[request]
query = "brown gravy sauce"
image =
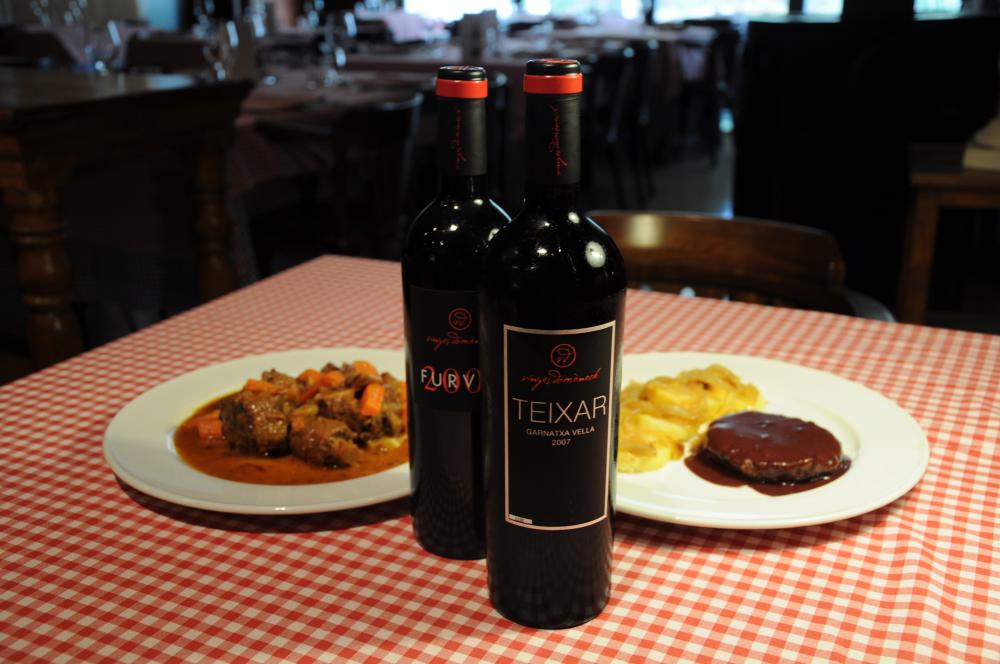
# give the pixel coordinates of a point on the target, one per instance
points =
(216, 459)
(707, 469)
(772, 444)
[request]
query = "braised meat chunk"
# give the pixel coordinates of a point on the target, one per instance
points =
(340, 404)
(255, 419)
(255, 423)
(283, 382)
(347, 404)
(323, 441)
(326, 418)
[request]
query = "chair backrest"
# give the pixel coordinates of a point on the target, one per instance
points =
(644, 81)
(373, 148)
(726, 45)
(750, 260)
(611, 73)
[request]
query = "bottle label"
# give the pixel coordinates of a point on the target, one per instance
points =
(558, 425)
(443, 344)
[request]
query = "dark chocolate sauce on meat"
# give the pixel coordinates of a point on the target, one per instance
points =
(785, 455)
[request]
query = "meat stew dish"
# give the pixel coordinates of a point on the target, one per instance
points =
(336, 423)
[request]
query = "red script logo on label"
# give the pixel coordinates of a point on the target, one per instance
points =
(563, 355)
(460, 319)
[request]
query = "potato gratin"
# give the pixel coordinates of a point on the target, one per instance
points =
(664, 418)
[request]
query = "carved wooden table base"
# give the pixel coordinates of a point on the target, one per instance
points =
(54, 123)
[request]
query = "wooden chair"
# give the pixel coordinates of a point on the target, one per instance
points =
(726, 51)
(370, 148)
(743, 259)
(703, 96)
(603, 116)
(639, 116)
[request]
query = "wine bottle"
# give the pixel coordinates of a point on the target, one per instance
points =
(442, 261)
(551, 313)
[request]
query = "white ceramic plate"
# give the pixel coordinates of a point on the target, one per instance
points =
(888, 450)
(139, 445)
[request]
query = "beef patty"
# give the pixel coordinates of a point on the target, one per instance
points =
(772, 448)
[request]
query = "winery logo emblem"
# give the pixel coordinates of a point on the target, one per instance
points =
(563, 355)
(460, 319)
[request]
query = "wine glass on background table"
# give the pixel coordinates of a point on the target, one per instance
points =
(40, 10)
(203, 12)
(76, 12)
(312, 14)
(103, 44)
(331, 56)
(272, 64)
(324, 66)
(344, 28)
(221, 40)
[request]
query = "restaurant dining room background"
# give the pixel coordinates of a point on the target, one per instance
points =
(155, 154)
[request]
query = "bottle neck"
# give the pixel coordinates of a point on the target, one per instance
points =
(463, 186)
(553, 198)
(552, 144)
(461, 145)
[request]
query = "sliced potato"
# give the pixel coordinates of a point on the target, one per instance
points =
(667, 417)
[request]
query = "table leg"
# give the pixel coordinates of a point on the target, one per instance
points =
(213, 225)
(42, 270)
(918, 257)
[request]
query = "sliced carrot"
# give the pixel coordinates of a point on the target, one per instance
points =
(310, 376)
(253, 385)
(371, 400)
(209, 428)
(333, 378)
(366, 368)
(312, 379)
(309, 392)
(210, 415)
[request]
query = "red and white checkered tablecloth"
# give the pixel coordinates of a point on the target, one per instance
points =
(92, 570)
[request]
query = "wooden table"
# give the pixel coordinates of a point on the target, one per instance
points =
(937, 181)
(92, 570)
(52, 124)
